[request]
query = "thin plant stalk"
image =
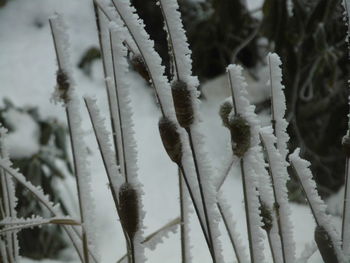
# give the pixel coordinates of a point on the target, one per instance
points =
(69, 112)
(195, 205)
(42, 198)
(82, 216)
(345, 203)
(120, 126)
(247, 211)
(99, 25)
(109, 175)
(200, 185)
(276, 204)
(233, 243)
(182, 218)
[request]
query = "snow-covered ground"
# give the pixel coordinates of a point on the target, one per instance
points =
(27, 77)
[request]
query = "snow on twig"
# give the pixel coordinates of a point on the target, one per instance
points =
(65, 93)
(317, 205)
(246, 147)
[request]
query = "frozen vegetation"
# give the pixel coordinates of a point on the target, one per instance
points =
(169, 181)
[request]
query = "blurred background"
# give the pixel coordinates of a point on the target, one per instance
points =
(308, 35)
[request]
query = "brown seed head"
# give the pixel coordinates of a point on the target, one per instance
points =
(225, 110)
(171, 139)
(139, 66)
(240, 135)
(183, 103)
(129, 210)
(266, 216)
(63, 85)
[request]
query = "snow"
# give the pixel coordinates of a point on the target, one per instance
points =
(28, 74)
(25, 131)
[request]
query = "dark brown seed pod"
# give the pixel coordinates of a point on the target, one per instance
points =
(240, 135)
(129, 210)
(183, 103)
(266, 216)
(225, 110)
(325, 245)
(171, 139)
(346, 145)
(63, 85)
(139, 66)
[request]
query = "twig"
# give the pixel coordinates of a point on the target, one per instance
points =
(182, 218)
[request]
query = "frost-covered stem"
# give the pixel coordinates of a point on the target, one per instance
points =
(36, 223)
(170, 41)
(39, 195)
(105, 154)
(278, 104)
(82, 214)
(195, 205)
(6, 204)
(225, 174)
(98, 14)
(113, 187)
(273, 117)
(120, 124)
(140, 50)
(132, 251)
(230, 235)
(182, 218)
(65, 93)
(326, 237)
(203, 198)
(234, 103)
(276, 204)
(345, 234)
(9, 199)
(346, 210)
(3, 251)
(99, 32)
(268, 233)
(251, 248)
(305, 193)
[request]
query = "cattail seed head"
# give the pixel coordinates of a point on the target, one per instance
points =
(183, 103)
(129, 209)
(325, 245)
(63, 85)
(266, 216)
(139, 66)
(346, 145)
(225, 110)
(171, 139)
(240, 135)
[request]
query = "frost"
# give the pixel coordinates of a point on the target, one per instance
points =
(124, 109)
(242, 107)
(157, 237)
(178, 42)
(151, 58)
(38, 193)
(279, 173)
(72, 106)
(278, 104)
(317, 205)
(102, 135)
